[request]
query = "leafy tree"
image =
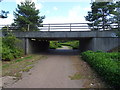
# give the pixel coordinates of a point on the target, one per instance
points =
(25, 14)
(100, 14)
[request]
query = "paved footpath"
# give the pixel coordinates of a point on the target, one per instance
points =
(54, 72)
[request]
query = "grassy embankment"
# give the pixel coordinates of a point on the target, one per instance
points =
(107, 65)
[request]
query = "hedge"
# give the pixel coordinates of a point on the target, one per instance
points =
(106, 64)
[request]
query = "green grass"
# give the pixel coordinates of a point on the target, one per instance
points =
(72, 44)
(14, 67)
(26, 69)
(76, 76)
(29, 57)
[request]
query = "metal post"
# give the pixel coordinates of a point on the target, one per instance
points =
(93, 26)
(70, 26)
(7, 27)
(49, 27)
(28, 27)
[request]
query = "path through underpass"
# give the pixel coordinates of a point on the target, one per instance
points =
(60, 71)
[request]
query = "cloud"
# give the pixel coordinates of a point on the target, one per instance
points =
(55, 8)
(47, 12)
(18, 1)
(74, 12)
(65, 0)
(87, 9)
(75, 15)
(38, 5)
(7, 21)
(49, 0)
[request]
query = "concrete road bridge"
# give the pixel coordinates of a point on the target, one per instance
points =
(101, 39)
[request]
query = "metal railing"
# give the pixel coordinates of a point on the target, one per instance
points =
(65, 27)
(60, 27)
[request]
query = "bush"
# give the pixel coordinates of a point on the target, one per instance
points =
(54, 45)
(9, 48)
(106, 64)
(73, 44)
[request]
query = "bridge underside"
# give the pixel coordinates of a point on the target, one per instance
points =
(36, 41)
(35, 45)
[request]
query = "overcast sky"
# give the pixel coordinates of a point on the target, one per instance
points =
(56, 11)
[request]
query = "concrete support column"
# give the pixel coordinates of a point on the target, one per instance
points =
(27, 46)
(35, 46)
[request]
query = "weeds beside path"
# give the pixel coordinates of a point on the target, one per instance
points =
(16, 67)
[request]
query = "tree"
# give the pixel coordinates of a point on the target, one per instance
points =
(100, 14)
(25, 14)
(116, 18)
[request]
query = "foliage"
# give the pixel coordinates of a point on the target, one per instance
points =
(9, 47)
(100, 14)
(54, 44)
(73, 44)
(4, 14)
(106, 64)
(116, 18)
(25, 14)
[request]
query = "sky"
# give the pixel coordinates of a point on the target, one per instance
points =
(55, 11)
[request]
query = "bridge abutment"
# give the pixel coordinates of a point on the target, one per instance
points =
(99, 44)
(106, 43)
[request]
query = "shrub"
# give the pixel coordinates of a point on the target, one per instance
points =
(54, 45)
(9, 47)
(106, 64)
(73, 44)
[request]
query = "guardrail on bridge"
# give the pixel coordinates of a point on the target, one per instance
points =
(60, 27)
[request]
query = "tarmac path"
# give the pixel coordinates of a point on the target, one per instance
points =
(56, 70)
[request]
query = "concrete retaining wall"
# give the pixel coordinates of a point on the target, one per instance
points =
(99, 44)
(105, 44)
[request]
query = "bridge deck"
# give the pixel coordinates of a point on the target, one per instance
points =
(65, 34)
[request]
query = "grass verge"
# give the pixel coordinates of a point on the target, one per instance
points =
(76, 76)
(23, 64)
